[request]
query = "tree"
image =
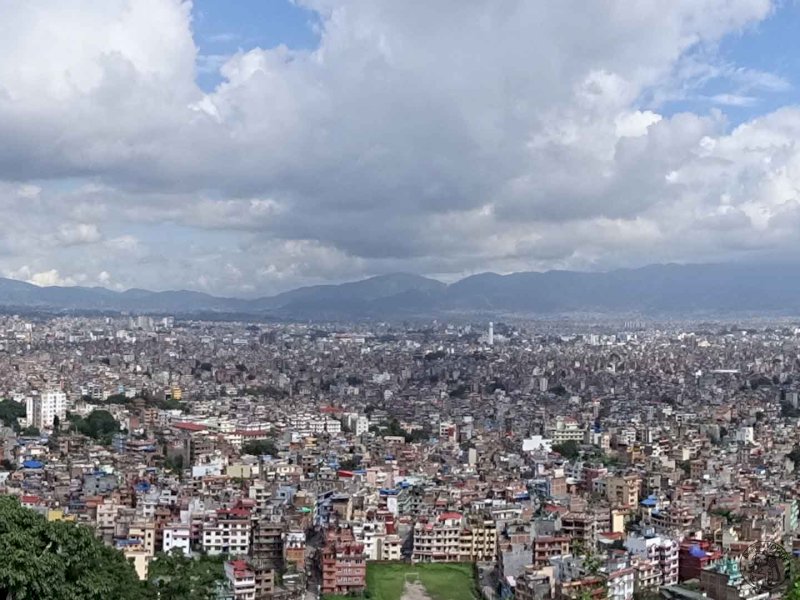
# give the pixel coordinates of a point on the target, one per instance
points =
(59, 561)
(789, 411)
(350, 464)
(11, 412)
(174, 463)
(118, 399)
(260, 447)
(175, 577)
(100, 425)
(793, 593)
(568, 449)
(31, 431)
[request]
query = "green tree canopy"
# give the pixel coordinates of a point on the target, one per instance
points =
(568, 449)
(100, 424)
(10, 412)
(260, 447)
(31, 431)
(176, 577)
(794, 455)
(44, 560)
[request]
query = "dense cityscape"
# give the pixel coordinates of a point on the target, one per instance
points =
(545, 460)
(399, 300)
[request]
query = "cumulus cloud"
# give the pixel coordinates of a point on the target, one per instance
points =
(71, 234)
(42, 278)
(437, 137)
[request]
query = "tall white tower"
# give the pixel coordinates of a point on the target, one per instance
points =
(491, 333)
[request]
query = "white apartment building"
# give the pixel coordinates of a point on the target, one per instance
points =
(621, 584)
(358, 424)
(378, 543)
(43, 408)
(226, 532)
(661, 553)
(177, 535)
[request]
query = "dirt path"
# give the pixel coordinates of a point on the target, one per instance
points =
(414, 590)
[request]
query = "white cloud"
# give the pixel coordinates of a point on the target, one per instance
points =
(29, 192)
(71, 234)
(42, 278)
(438, 137)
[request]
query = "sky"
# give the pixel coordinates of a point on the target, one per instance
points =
(245, 148)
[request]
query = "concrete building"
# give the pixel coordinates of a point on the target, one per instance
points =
(657, 560)
(177, 535)
(241, 579)
(344, 568)
(43, 408)
(226, 532)
(439, 539)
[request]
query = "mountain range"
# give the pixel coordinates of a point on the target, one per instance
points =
(656, 290)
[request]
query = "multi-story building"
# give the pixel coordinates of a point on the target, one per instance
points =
(675, 519)
(242, 579)
(42, 409)
(144, 530)
(344, 568)
(656, 560)
(379, 542)
(693, 557)
(545, 547)
(723, 581)
(226, 531)
(267, 540)
(535, 584)
(177, 535)
(294, 549)
(623, 490)
(566, 430)
(582, 526)
(264, 572)
(478, 542)
(439, 539)
(621, 583)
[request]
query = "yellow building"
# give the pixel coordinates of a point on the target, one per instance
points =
(57, 514)
(623, 490)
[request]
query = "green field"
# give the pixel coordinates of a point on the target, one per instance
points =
(442, 581)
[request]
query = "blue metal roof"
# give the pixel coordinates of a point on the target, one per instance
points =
(697, 551)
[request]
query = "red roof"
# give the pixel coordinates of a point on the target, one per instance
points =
(189, 426)
(449, 515)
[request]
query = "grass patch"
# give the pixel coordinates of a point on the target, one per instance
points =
(442, 581)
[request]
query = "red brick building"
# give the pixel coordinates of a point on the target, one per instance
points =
(693, 557)
(344, 566)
